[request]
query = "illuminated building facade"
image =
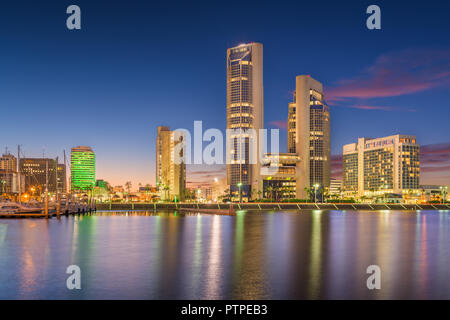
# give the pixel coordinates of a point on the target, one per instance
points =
(34, 170)
(82, 168)
(278, 174)
(383, 165)
(312, 135)
(170, 165)
(292, 127)
(8, 162)
(244, 112)
(335, 187)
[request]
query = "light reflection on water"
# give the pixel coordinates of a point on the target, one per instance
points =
(315, 254)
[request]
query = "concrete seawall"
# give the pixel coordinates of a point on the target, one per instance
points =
(269, 206)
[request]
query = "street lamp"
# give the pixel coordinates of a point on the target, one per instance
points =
(240, 192)
(316, 186)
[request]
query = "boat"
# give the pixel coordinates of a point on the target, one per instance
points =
(17, 208)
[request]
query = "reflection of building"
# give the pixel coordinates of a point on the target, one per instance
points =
(312, 137)
(34, 170)
(170, 165)
(278, 174)
(244, 115)
(381, 166)
(82, 168)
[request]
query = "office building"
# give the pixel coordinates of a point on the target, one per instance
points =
(312, 135)
(37, 171)
(245, 109)
(383, 165)
(82, 160)
(170, 165)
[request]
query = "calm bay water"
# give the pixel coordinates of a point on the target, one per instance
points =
(253, 255)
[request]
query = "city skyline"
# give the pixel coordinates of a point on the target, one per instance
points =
(387, 87)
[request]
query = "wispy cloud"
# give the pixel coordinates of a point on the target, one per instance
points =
(395, 74)
(203, 176)
(382, 108)
(282, 124)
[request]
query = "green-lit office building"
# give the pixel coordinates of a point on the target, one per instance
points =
(82, 168)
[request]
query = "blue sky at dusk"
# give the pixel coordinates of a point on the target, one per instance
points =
(135, 65)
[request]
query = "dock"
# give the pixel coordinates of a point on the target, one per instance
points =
(51, 214)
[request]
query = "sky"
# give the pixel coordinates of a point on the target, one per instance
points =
(135, 65)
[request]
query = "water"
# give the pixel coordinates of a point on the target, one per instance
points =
(270, 255)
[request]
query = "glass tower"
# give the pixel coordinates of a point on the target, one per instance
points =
(82, 168)
(244, 118)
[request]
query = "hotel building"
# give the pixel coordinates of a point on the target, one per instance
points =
(312, 135)
(170, 165)
(82, 168)
(244, 112)
(382, 165)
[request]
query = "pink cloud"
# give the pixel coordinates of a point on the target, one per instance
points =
(282, 124)
(383, 108)
(395, 74)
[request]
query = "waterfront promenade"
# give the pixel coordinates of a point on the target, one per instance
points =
(270, 206)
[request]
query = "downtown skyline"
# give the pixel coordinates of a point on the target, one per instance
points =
(376, 84)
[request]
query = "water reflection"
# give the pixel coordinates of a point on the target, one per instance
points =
(253, 255)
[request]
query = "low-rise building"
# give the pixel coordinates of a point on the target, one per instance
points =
(278, 173)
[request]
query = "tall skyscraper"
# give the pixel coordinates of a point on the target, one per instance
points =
(312, 139)
(82, 168)
(382, 165)
(245, 108)
(170, 172)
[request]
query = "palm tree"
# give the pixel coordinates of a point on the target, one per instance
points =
(166, 190)
(259, 194)
(269, 190)
(128, 186)
(309, 192)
